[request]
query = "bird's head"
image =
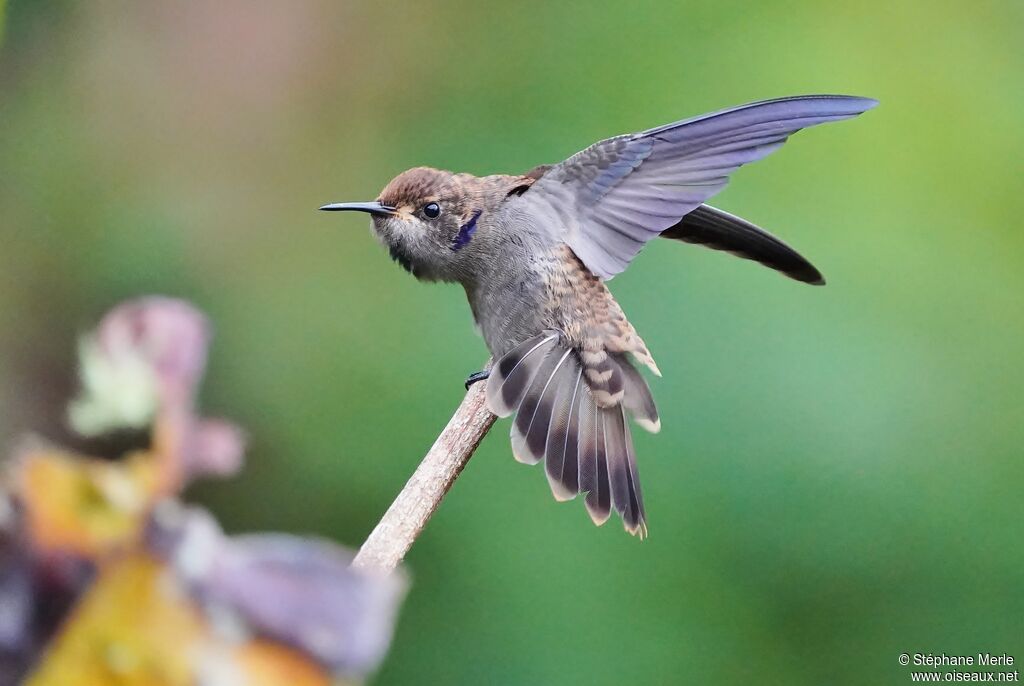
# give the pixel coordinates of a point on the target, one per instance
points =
(427, 218)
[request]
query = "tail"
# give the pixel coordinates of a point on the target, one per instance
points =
(560, 418)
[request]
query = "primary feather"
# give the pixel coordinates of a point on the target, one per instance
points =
(626, 190)
(716, 229)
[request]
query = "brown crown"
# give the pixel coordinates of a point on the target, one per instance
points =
(421, 185)
(417, 186)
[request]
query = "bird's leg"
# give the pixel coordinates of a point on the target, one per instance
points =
(477, 376)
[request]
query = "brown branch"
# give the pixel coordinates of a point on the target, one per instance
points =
(391, 539)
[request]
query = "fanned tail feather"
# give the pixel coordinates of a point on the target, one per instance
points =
(533, 419)
(599, 500)
(635, 495)
(561, 463)
(562, 419)
(637, 397)
(514, 372)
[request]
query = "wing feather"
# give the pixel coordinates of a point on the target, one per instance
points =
(628, 189)
(719, 230)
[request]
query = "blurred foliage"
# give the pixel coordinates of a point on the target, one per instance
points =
(838, 478)
(83, 507)
(106, 578)
(135, 628)
(146, 638)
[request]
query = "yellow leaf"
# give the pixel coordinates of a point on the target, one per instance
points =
(134, 627)
(82, 506)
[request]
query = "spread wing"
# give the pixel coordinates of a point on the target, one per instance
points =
(716, 229)
(621, 192)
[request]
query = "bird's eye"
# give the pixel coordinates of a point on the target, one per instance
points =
(431, 210)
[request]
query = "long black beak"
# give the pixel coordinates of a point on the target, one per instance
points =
(371, 207)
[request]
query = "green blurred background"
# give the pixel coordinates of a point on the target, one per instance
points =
(839, 475)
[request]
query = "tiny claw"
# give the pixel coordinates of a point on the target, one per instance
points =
(477, 376)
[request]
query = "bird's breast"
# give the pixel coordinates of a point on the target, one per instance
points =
(508, 290)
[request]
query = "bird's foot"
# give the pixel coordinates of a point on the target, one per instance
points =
(477, 376)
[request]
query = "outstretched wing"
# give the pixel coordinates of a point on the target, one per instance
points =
(621, 192)
(716, 229)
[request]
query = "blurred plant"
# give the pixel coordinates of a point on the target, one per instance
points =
(142, 368)
(111, 580)
(299, 591)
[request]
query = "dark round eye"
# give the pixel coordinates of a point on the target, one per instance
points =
(431, 210)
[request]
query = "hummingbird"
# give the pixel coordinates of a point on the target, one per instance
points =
(535, 251)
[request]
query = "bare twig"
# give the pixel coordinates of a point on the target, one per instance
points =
(391, 539)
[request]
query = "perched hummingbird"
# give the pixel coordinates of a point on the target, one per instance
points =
(534, 251)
